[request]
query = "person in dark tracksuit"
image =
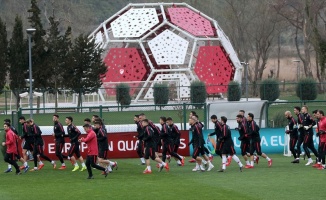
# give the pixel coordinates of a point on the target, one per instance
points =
(140, 145)
(217, 132)
(253, 132)
(293, 131)
(243, 137)
(175, 134)
(59, 135)
(198, 144)
(73, 134)
(38, 146)
(299, 115)
(167, 142)
(28, 137)
(227, 145)
(150, 148)
(156, 135)
(308, 142)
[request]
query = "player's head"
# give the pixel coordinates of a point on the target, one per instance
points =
(169, 121)
(242, 112)
(162, 120)
(287, 114)
(192, 113)
(87, 121)
(6, 126)
(224, 119)
(136, 118)
(87, 127)
(69, 120)
(239, 118)
(142, 116)
(304, 109)
(296, 110)
(30, 122)
(250, 117)
(55, 118)
(314, 113)
(97, 124)
(213, 118)
(7, 121)
(22, 119)
(144, 122)
(320, 114)
(94, 118)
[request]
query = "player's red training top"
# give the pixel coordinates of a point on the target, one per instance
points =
(322, 127)
(91, 142)
(11, 142)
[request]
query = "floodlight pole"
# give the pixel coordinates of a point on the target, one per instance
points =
(246, 77)
(30, 32)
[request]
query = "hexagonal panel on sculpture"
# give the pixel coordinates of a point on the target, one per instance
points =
(124, 65)
(168, 48)
(135, 22)
(214, 68)
(191, 21)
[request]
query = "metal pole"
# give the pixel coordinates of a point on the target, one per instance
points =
(30, 76)
(246, 77)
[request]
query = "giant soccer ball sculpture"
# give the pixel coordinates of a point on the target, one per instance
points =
(165, 42)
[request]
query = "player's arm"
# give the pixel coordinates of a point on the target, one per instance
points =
(9, 139)
(101, 135)
(77, 133)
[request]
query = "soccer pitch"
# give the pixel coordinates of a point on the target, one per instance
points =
(283, 180)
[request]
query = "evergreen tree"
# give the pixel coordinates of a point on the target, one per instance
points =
(41, 72)
(58, 47)
(18, 60)
(86, 69)
(3, 54)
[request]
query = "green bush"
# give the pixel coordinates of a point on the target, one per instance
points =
(198, 93)
(234, 91)
(123, 95)
(279, 120)
(269, 90)
(161, 94)
(307, 89)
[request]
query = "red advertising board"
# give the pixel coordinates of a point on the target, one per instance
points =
(121, 145)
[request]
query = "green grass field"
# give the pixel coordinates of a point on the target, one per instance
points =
(282, 181)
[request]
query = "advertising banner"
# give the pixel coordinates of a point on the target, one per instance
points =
(121, 145)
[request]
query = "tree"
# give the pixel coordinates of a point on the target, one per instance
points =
(86, 69)
(161, 94)
(234, 91)
(123, 95)
(269, 90)
(198, 93)
(58, 47)
(18, 60)
(3, 54)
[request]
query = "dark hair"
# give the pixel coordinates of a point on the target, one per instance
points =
(7, 121)
(137, 116)
(213, 117)
(224, 119)
(251, 115)
(87, 120)
(98, 122)
(239, 116)
(169, 119)
(141, 114)
(22, 117)
(96, 116)
(196, 116)
(193, 112)
(145, 120)
(70, 118)
(242, 111)
(297, 108)
(56, 115)
(87, 125)
(163, 118)
(315, 111)
(321, 112)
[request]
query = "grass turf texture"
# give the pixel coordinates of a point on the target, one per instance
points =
(283, 180)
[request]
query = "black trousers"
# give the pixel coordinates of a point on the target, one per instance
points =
(299, 143)
(38, 150)
(140, 149)
(322, 151)
(90, 162)
(292, 144)
(11, 159)
(308, 143)
(168, 148)
(58, 151)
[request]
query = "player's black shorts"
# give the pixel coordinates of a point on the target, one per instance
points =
(176, 148)
(197, 151)
(103, 153)
(38, 149)
(228, 148)
(245, 147)
(255, 146)
(150, 153)
(74, 149)
(28, 145)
